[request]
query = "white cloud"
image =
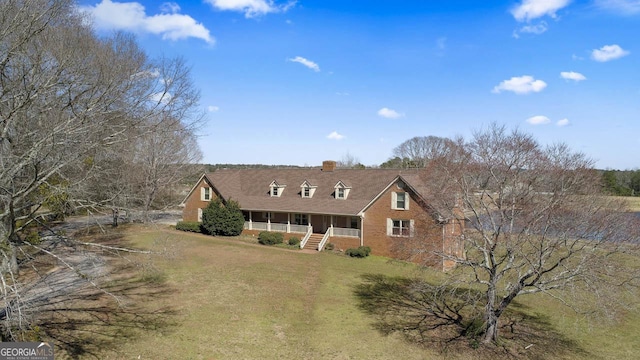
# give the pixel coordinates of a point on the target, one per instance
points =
(308, 63)
(572, 75)
(170, 7)
(537, 29)
(520, 85)
(251, 8)
(335, 136)
(538, 120)
(131, 16)
(563, 122)
(533, 9)
(624, 7)
(389, 113)
(608, 53)
(212, 108)
(576, 57)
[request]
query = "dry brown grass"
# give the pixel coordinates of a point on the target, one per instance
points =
(212, 298)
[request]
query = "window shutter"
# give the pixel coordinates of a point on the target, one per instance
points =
(412, 231)
(406, 201)
(394, 200)
(389, 226)
(200, 215)
(201, 193)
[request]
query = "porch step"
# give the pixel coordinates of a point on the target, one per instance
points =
(314, 240)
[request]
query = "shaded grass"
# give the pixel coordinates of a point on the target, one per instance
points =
(232, 299)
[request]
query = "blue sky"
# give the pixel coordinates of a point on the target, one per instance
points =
(298, 82)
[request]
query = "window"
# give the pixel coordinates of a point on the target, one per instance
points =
(341, 190)
(306, 192)
(400, 201)
(400, 228)
(301, 219)
(205, 195)
(276, 189)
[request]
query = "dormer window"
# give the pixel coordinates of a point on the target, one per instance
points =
(276, 189)
(341, 190)
(307, 190)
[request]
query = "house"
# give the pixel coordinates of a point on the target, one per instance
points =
(379, 208)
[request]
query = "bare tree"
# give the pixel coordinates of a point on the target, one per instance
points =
(419, 150)
(537, 222)
(70, 102)
(349, 161)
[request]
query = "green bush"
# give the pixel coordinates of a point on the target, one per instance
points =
(191, 226)
(293, 241)
(360, 252)
(270, 238)
(223, 219)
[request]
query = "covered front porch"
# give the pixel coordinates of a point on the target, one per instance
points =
(308, 224)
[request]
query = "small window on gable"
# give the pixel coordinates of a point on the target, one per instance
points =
(341, 190)
(307, 190)
(400, 201)
(205, 194)
(275, 189)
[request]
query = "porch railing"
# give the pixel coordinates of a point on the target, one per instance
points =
(278, 227)
(306, 237)
(299, 228)
(324, 240)
(346, 232)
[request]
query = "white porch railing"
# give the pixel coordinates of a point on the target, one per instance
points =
(306, 237)
(324, 240)
(346, 232)
(252, 225)
(299, 228)
(279, 227)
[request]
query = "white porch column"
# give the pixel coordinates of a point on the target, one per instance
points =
(331, 228)
(269, 221)
(362, 230)
(288, 222)
(250, 220)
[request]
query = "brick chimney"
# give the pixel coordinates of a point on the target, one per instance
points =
(328, 165)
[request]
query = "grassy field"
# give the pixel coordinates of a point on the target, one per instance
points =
(228, 299)
(634, 203)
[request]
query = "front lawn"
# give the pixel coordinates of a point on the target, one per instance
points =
(228, 299)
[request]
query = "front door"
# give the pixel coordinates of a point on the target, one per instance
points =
(319, 223)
